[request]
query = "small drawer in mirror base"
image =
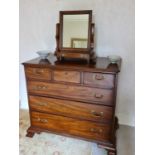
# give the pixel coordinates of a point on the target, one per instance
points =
(74, 56)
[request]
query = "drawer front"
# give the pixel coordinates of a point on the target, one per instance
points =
(71, 126)
(67, 76)
(38, 73)
(71, 108)
(99, 79)
(101, 96)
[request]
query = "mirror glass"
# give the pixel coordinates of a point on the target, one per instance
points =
(75, 31)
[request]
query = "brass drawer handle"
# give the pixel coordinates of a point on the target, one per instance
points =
(92, 130)
(66, 73)
(40, 87)
(96, 130)
(98, 95)
(42, 104)
(38, 71)
(98, 114)
(42, 120)
(100, 130)
(99, 77)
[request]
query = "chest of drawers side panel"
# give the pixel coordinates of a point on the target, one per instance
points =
(115, 123)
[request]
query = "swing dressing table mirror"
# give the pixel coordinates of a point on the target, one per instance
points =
(75, 36)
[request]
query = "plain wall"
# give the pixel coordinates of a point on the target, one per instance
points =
(114, 35)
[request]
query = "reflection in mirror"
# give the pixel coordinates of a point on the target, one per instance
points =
(75, 31)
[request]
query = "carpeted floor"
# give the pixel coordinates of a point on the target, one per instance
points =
(51, 144)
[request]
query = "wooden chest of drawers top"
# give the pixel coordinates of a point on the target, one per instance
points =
(102, 65)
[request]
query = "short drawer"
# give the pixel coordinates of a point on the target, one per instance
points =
(87, 129)
(67, 76)
(38, 73)
(71, 108)
(99, 79)
(101, 96)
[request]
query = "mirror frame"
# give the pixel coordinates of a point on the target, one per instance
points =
(77, 12)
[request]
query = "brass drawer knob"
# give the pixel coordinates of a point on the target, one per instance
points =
(92, 130)
(96, 130)
(42, 120)
(98, 114)
(99, 77)
(66, 73)
(40, 88)
(44, 87)
(100, 130)
(38, 71)
(98, 95)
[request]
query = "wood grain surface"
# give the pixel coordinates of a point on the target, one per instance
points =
(38, 73)
(98, 131)
(71, 108)
(101, 96)
(66, 76)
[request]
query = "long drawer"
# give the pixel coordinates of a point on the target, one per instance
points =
(97, 95)
(90, 130)
(71, 108)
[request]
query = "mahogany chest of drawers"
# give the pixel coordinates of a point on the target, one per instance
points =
(73, 99)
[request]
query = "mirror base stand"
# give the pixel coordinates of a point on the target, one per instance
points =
(90, 58)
